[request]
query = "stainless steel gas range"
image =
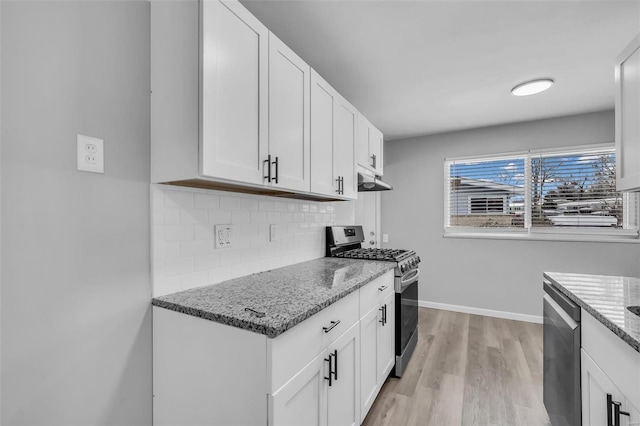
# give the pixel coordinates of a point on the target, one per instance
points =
(346, 242)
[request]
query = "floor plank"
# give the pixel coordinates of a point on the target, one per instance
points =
(467, 370)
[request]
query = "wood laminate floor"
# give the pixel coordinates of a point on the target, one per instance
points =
(467, 370)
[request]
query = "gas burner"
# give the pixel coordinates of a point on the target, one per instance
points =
(385, 254)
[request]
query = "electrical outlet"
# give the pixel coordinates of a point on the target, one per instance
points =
(90, 154)
(273, 233)
(385, 238)
(224, 236)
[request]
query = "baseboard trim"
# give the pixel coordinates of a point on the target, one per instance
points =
(480, 311)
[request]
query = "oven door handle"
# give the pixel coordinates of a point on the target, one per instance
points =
(409, 278)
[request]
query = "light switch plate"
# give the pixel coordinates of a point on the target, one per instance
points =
(90, 154)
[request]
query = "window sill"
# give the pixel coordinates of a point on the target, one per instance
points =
(522, 236)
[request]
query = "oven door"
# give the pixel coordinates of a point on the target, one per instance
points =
(406, 318)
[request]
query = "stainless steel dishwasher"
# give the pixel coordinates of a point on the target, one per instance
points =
(561, 377)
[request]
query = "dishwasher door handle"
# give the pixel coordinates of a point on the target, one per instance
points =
(561, 312)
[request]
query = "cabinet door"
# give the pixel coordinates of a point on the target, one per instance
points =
(627, 113)
(302, 400)
(234, 92)
(344, 147)
(376, 150)
(343, 396)
(369, 335)
(595, 387)
(289, 116)
(386, 344)
(323, 100)
(362, 141)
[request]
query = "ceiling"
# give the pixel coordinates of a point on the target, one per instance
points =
(423, 67)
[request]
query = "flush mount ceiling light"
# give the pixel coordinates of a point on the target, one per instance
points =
(532, 87)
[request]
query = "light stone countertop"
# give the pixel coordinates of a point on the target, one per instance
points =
(606, 298)
(287, 296)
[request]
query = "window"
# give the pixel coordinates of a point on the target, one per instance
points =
(572, 191)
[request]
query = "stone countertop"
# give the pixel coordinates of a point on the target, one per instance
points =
(606, 298)
(286, 296)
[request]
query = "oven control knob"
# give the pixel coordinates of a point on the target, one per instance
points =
(417, 259)
(403, 268)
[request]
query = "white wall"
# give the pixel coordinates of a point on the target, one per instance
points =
(501, 275)
(183, 246)
(76, 326)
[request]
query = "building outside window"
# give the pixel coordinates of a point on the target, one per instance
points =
(570, 191)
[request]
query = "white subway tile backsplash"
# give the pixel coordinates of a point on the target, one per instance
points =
(206, 201)
(181, 199)
(202, 232)
(273, 217)
(219, 216)
(194, 279)
(180, 266)
(171, 250)
(171, 216)
(206, 262)
(183, 246)
(230, 203)
(240, 216)
(193, 216)
(178, 232)
(194, 248)
(258, 217)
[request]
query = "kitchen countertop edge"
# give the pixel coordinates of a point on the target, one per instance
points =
(269, 331)
(619, 331)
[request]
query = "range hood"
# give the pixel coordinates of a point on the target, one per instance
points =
(368, 181)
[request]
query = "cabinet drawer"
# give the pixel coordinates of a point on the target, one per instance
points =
(295, 348)
(617, 359)
(375, 292)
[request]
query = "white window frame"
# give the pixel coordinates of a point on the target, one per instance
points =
(540, 233)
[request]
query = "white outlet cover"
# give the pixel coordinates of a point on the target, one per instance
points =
(385, 238)
(223, 236)
(90, 154)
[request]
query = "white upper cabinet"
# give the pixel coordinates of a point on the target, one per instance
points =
(369, 146)
(289, 117)
(627, 72)
(231, 109)
(345, 125)
(333, 126)
(234, 92)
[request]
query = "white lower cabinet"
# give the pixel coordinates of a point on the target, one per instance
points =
(599, 393)
(302, 401)
(309, 398)
(610, 375)
(377, 344)
(209, 373)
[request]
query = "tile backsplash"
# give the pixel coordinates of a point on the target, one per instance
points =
(183, 252)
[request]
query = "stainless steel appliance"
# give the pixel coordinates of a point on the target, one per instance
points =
(346, 241)
(369, 181)
(561, 390)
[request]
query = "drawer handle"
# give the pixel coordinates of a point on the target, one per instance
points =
(331, 327)
(383, 308)
(613, 415)
(335, 364)
(256, 313)
(331, 374)
(383, 288)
